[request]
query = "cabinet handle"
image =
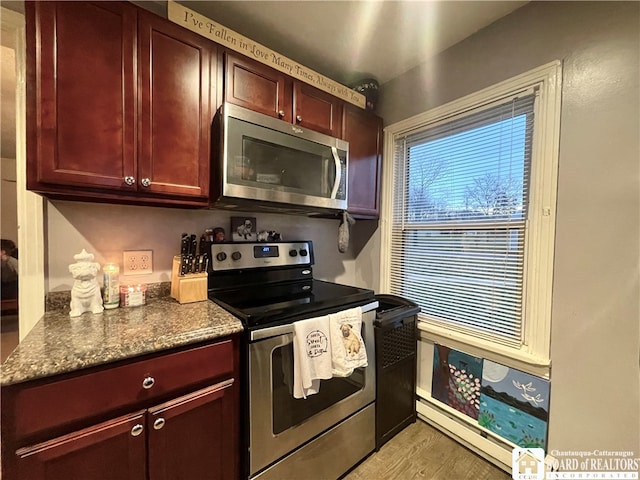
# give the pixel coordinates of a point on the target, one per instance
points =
(145, 182)
(129, 180)
(281, 113)
(299, 118)
(158, 424)
(148, 382)
(137, 430)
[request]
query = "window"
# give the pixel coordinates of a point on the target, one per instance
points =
(470, 210)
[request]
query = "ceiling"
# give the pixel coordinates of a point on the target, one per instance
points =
(348, 41)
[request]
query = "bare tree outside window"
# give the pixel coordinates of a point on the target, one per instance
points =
(423, 200)
(494, 196)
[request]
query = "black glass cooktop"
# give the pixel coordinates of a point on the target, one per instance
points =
(269, 305)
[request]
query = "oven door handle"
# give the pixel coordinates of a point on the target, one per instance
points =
(288, 328)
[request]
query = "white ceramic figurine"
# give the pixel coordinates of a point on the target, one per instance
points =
(85, 294)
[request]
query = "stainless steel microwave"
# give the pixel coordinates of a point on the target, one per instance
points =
(267, 164)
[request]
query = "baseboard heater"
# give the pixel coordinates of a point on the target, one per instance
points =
(460, 427)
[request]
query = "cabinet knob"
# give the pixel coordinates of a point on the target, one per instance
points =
(129, 180)
(145, 182)
(281, 113)
(137, 430)
(299, 118)
(158, 424)
(148, 382)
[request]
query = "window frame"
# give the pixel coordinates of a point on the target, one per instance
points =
(533, 355)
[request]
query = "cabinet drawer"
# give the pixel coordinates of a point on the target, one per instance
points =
(54, 404)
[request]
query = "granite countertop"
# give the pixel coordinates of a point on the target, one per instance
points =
(60, 344)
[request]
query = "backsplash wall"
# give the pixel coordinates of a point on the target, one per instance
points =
(108, 230)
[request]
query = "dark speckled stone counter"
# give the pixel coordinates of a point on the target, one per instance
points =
(61, 344)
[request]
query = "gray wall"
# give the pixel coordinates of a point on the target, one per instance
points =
(595, 402)
(108, 230)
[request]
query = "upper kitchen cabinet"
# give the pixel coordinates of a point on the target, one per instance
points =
(81, 94)
(175, 108)
(363, 130)
(256, 86)
(317, 110)
(263, 89)
(119, 105)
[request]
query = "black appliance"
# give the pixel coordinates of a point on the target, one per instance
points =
(269, 286)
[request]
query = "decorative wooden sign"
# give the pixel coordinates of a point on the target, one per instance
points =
(220, 34)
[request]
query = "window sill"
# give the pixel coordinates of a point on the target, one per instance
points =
(515, 358)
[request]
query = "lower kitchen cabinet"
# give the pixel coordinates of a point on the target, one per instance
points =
(171, 427)
(183, 438)
(103, 452)
(192, 436)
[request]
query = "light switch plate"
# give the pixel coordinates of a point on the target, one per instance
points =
(137, 262)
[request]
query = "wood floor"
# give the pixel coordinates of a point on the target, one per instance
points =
(422, 452)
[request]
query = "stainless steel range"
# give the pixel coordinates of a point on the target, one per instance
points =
(269, 286)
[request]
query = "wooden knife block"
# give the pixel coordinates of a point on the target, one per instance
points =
(188, 288)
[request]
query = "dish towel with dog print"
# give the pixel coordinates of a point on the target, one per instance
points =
(348, 350)
(311, 355)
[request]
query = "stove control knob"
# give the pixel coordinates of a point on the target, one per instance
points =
(236, 255)
(221, 257)
(303, 252)
(293, 253)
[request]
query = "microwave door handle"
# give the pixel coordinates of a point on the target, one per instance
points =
(336, 184)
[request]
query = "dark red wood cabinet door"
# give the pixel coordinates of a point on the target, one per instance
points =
(176, 111)
(363, 131)
(81, 91)
(258, 87)
(317, 110)
(106, 451)
(195, 436)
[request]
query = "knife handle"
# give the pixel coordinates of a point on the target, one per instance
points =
(184, 262)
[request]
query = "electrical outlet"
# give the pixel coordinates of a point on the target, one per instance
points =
(137, 262)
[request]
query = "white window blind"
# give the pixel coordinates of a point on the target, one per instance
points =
(459, 219)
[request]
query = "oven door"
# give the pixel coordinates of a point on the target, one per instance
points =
(278, 422)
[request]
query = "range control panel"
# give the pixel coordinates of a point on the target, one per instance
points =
(237, 256)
